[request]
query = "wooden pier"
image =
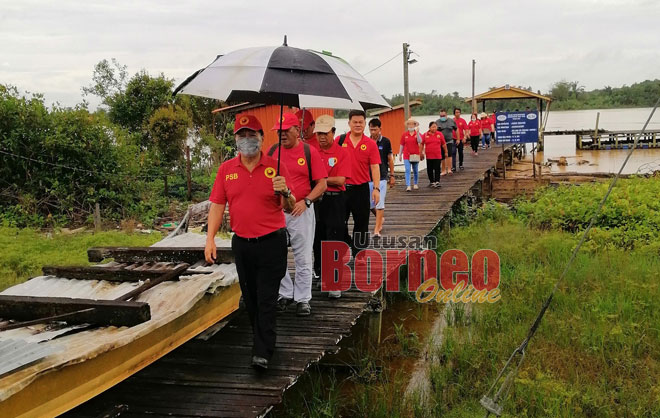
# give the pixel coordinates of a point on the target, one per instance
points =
(213, 378)
(587, 139)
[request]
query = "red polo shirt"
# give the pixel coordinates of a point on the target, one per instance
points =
(475, 127)
(313, 142)
(294, 161)
(410, 144)
(362, 156)
(433, 143)
(461, 126)
(492, 120)
(337, 163)
(486, 123)
(254, 209)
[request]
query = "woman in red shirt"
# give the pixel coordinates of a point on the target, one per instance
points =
(486, 129)
(409, 151)
(434, 147)
(474, 126)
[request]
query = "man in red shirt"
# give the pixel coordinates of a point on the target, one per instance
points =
(305, 167)
(459, 136)
(330, 210)
(307, 122)
(256, 196)
(365, 161)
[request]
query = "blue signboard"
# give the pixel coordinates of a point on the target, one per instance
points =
(517, 127)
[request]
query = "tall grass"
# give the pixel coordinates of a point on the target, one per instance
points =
(597, 351)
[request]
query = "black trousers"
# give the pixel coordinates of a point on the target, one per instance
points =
(474, 142)
(433, 169)
(358, 204)
(260, 267)
(459, 151)
(330, 223)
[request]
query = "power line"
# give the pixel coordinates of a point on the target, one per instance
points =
(371, 71)
(73, 168)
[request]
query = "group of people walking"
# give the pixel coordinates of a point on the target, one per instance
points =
(442, 145)
(298, 193)
(303, 191)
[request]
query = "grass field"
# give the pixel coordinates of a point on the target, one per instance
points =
(24, 251)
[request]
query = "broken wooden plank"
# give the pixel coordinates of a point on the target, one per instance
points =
(77, 311)
(188, 255)
(112, 274)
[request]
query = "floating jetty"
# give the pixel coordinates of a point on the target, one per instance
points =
(589, 139)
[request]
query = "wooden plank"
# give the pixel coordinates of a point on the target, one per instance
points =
(188, 255)
(112, 274)
(97, 312)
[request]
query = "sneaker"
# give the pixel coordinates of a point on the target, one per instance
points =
(259, 363)
(415, 187)
(283, 304)
(461, 167)
(431, 184)
(315, 275)
(303, 309)
(408, 188)
(335, 294)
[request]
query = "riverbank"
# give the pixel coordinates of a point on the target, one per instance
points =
(595, 353)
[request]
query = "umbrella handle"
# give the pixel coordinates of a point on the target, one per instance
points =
(279, 135)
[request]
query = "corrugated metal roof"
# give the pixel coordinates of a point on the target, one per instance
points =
(15, 354)
(74, 344)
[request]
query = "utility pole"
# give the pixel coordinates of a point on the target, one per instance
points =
(474, 102)
(406, 99)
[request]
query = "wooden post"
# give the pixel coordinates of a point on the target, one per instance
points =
(596, 138)
(504, 162)
(534, 160)
(188, 179)
(406, 99)
(97, 217)
(474, 102)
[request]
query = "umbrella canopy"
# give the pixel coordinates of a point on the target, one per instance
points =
(283, 75)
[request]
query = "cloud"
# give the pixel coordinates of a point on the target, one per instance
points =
(53, 46)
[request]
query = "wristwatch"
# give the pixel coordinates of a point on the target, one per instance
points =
(308, 202)
(377, 188)
(287, 193)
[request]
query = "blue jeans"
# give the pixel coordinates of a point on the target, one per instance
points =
(407, 164)
(485, 140)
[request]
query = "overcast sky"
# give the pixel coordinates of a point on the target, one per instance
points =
(52, 46)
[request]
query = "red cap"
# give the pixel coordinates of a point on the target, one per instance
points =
(288, 120)
(309, 118)
(247, 122)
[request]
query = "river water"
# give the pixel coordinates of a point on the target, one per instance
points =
(601, 161)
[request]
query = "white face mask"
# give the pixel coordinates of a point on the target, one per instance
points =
(473, 119)
(248, 147)
(411, 130)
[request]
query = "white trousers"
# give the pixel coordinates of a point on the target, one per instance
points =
(301, 231)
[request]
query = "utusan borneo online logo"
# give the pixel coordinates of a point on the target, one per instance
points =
(449, 277)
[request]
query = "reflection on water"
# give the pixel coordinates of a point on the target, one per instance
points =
(564, 145)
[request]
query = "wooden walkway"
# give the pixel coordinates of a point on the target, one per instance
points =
(213, 378)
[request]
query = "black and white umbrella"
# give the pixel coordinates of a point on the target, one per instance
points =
(283, 75)
(286, 76)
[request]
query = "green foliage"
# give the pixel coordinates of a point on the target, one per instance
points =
(132, 108)
(26, 251)
(168, 129)
(629, 219)
(569, 95)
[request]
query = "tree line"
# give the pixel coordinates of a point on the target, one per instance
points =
(57, 162)
(128, 155)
